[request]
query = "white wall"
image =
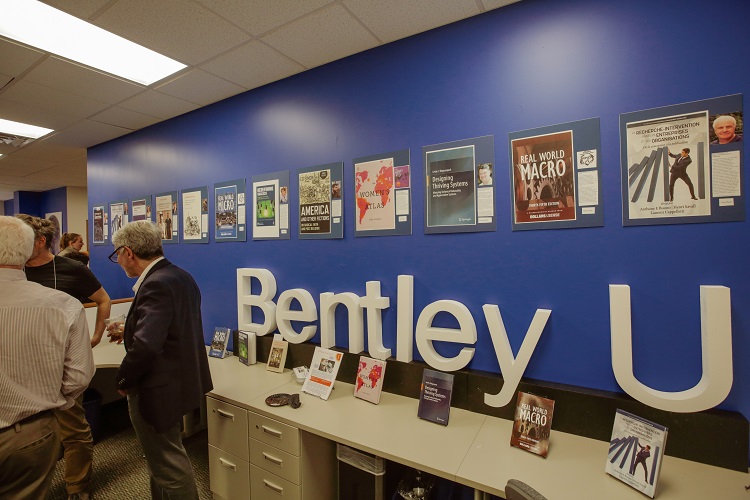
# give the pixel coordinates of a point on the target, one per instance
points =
(78, 212)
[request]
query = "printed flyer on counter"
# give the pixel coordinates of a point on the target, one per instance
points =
(382, 206)
(683, 163)
(167, 217)
(458, 200)
(555, 176)
(321, 214)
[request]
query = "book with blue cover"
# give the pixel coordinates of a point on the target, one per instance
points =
(219, 342)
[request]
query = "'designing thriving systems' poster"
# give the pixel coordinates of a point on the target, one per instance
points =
(458, 199)
(271, 206)
(683, 163)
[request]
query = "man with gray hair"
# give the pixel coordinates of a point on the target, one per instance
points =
(725, 127)
(165, 370)
(44, 333)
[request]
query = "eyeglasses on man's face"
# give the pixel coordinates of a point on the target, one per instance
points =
(113, 255)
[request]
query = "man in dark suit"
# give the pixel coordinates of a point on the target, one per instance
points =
(679, 171)
(165, 371)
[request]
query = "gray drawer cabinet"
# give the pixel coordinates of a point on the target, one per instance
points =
(255, 457)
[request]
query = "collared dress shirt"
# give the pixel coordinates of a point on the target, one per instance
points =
(45, 349)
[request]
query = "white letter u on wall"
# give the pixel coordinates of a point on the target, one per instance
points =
(716, 347)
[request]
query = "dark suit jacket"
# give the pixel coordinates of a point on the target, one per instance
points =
(166, 355)
(680, 165)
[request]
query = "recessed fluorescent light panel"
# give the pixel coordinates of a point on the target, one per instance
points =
(49, 29)
(23, 130)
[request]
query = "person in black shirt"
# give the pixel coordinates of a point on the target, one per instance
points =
(76, 280)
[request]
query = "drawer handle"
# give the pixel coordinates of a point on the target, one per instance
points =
(272, 459)
(225, 414)
(274, 433)
(271, 486)
(228, 465)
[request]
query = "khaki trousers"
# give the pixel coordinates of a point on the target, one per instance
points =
(75, 434)
(28, 453)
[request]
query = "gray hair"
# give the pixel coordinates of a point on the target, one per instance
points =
(725, 118)
(143, 237)
(16, 241)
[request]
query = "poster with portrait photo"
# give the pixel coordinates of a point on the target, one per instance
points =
(140, 208)
(118, 216)
(99, 228)
(382, 205)
(683, 163)
(194, 210)
(455, 202)
(229, 211)
(321, 214)
(555, 176)
(167, 217)
(271, 206)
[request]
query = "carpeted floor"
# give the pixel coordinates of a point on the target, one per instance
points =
(120, 469)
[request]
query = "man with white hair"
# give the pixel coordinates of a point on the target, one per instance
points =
(44, 333)
(165, 370)
(725, 127)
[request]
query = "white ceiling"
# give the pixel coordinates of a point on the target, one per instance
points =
(230, 46)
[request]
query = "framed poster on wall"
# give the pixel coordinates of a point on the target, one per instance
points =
(195, 215)
(229, 211)
(321, 198)
(382, 204)
(271, 206)
(140, 208)
(167, 217)
(99, 226)
(118, 216)
(457, 200)
(682, 164)
(556, 177)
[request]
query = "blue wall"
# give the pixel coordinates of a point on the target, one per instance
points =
(531, 64)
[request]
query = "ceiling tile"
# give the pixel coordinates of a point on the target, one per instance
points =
(158, 104)
(79, 8)
(34, 115)
(55, 100)
(494, 4)
(43, 149)
(87, 133)
(253, 65)
(182, 30)
(395, 19)
(12, 167)
(125, 118)
(15, 59)
(82, 81)
(200, 87)
(259, 16)
(321, 37)
(4, 79)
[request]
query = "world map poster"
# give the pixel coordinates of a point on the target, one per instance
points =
(373, 190)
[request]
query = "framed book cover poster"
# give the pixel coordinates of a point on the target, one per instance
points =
(118, 216)
(271, 206)
(457, 199)
(140, 208)
(321, 198)
(555, 176)
(683, 164)
(194, 209)
(168, 217)
(382, 206)
(99, 225)
(229, 211)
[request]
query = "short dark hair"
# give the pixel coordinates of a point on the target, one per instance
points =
(687, 150)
